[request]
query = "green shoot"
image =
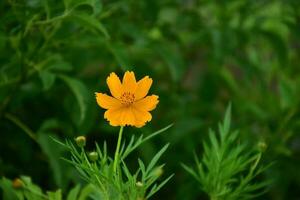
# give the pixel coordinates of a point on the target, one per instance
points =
(229, 167)
(112, 178)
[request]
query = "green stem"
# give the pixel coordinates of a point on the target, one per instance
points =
(116, 160)
(53, 19)
(21, 125)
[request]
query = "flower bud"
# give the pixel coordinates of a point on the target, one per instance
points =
(80, 141)
(155, 34)
(93, 156)
(262, 146)
(139, 184)
(17, 183)
(158, 172)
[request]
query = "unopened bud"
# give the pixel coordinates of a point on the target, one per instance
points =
(155, 34)
(93, 156)
(158, 172)
(262, 146)
(17, 183)
(80, 141)
(139, 184)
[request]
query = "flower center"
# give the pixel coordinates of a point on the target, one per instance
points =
(127, 98)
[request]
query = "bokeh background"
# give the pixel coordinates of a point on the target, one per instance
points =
(201, 55)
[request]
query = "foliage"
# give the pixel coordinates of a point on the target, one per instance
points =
(98, 168)
(28, 190)
(201, 54)
(228, 166)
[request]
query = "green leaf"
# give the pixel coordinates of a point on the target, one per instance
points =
(173, 59)
(48, 78)
(86, 192)
(132, 145)
(191, 171)
(168, 15)
(53, 152)
(227, 119)
(96, 5)
(142, 168)
(81, 93)
(278, 44)
(60, 65)
(287, 93)
(121, 55)
(91, 22)
(156, 158)
(55, 195)
(74, 193)
(32, 192)
(9, 193)
(156, 188)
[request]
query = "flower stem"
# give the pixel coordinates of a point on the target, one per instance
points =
(116, 160)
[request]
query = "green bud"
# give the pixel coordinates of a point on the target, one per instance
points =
(17, 183)
(139, 184)
(262, 146)
(80, 141)
(155, 34)
(158, 172)
(93, 156)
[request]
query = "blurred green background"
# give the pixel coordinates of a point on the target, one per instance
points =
(201, 55)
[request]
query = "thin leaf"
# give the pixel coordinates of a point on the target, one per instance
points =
(80, 91)
(156, 158)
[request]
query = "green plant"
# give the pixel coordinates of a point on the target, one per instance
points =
(112, 177)
(56, 53)
(23, 188)
(229, 166)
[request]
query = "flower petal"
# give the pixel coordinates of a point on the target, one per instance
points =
(147, 104)
(120, 117)
(143, 87)
(113, 116)
(115, 85)
(129, 82)
(127, 117)
(107, 102)
(141, 117)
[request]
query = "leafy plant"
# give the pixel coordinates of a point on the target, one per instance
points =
(98, 168)
(229, 166)
(56, 53)
(23, 188)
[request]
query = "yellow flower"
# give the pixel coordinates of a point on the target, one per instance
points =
(129, 104)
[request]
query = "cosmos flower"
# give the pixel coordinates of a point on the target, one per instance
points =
(129, 103)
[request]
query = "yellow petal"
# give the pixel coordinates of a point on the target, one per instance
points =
(115, 85)
(120, 117)
(113, 116)
(147, 104)
(127, 117)
(129, 82)
(107, 102)
(143, 87)
(141, 117)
